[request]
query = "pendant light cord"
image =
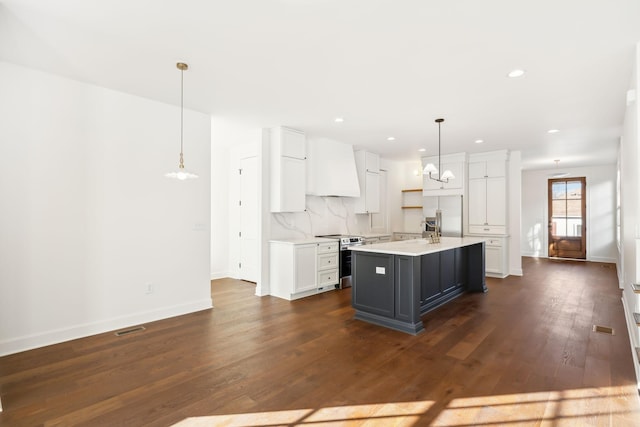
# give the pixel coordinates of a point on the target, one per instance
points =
(181, 109)
(181, 174)
(439, 158)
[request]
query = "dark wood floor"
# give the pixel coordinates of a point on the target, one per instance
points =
(522, 354)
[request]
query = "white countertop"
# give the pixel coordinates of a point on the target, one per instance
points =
(417, 247)
(304, 241)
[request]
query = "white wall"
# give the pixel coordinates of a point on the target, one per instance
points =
(230, 142)
(630, 195)
(515, 209)
(601, 193)
(87, 217)
(220, 169)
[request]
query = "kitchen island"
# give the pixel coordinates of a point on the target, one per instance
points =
(395, 283)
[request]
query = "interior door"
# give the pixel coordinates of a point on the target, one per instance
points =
(249, 218)
(567, 218)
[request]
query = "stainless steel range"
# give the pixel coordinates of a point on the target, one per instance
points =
(346, 243)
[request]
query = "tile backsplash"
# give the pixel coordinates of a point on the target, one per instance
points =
(324, 215)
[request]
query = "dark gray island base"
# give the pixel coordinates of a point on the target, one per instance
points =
(395, 283)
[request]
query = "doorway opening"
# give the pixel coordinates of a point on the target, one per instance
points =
(567, 218)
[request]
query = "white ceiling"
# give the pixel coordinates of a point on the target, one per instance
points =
(389, 67)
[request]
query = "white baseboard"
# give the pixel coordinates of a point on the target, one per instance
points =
(261, 292)
(631, 323)
(57, 336)
(602, 259)
(531, 255)
(219, 275)
(592, 259)
(516, 272)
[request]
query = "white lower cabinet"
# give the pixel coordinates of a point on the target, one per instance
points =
(302, 268)
(496, 259)
(327, 256)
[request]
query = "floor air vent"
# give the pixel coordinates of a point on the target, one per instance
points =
(129, 331)
(603, 329)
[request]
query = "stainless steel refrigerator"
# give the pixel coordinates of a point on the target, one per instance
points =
(451, 207)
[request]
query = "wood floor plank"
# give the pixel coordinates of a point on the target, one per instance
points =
(522, 354)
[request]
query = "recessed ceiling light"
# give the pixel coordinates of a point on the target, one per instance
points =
(422, 150)
(479, 141)
(516, 73)
(391, 138)
(553, 131)
(338, 119)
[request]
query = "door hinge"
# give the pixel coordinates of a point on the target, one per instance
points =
(239, 202)
(239, 265)
(239, 233)
(239, 171)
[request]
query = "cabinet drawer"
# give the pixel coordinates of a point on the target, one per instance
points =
(327, 261)
(487, 229)
(327, 247)
(494, 242)
(328, 277)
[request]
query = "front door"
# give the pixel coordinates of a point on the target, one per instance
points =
(567, 218)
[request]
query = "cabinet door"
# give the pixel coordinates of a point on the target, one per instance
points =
(456, 168)
(292, 181)
(429, 184)
(305, 266)
(372, 192)
(496, 204)
(477, 170)
(448, 279)
(493, 259)
(477, 201)
(496, 168)
(372, 162)
(293, 144)
(430, 281)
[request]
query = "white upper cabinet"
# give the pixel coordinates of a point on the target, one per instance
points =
(488, 193)
(368, 167)
(288, 170)
(456, 163)
(292, 143)
(487, 168)
(371, 162)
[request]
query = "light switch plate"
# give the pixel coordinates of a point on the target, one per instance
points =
(380, 270)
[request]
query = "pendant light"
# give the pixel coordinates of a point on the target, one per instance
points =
(181, 173)
(430, 168)
(558, 174)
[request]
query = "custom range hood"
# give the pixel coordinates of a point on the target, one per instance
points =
(331, 168)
